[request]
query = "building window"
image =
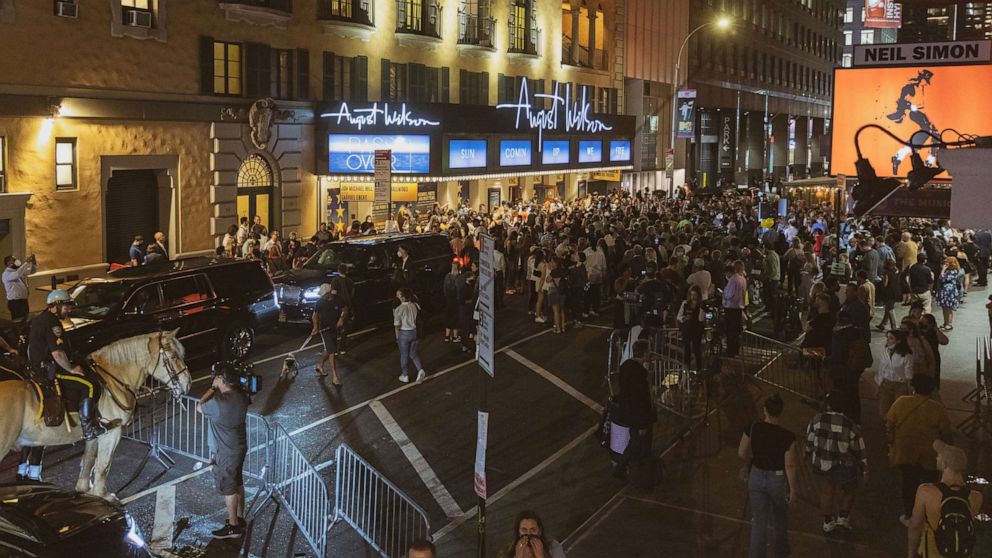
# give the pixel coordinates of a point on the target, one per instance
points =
(475, 26)
(867, 36)
(282, 74)
(849, 15)
(65, 163)
(846, 60)
(473, 88)
(523, 27)
(848, 38)
(346, 79)
(66, 8)
(137, 13)
(227, 68)
(418, 16)
(3, 164)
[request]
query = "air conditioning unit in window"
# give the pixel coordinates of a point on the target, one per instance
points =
(66, 9)
(138, 18)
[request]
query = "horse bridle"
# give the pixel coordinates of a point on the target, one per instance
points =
(174, 384)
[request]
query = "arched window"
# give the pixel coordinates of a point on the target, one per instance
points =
(255, 189)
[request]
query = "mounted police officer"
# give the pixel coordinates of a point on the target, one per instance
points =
(48, 351)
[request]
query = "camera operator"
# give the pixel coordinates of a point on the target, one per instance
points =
(226, 405)
(655, 297)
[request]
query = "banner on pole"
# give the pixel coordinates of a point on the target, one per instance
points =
(480, 455)
(383, 175)
(487, 300)
(686, 108)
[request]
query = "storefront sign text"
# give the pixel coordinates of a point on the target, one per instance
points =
(590, 151)
(467, 154)
(555, 152)
(371, 116)
(514, 153)
(619, 150)
(355, 153)
(575, 115)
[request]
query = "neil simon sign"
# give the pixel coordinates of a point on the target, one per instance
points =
(963, 52)
(355, 153)
(566, 113)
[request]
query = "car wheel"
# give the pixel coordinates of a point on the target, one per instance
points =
(238, 341)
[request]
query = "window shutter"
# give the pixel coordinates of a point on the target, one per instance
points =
(303, 73)
(290, 74)
(360, 79)
(501, 88)
(463, 88)
(484, 89)
(251, 70)
(614, 101)
(417, 82)
(264, 68)
(384, 81)
(328, 77)
(532, 15)
(513, 28)
(433, 85)
(206, 65)
(445, 85)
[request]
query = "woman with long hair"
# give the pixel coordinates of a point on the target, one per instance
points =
(893, 370)
(949, 291)
(539, 274)
(921, 360)
(530, 540)
(450, 288)
(405, 326)
(692, 320)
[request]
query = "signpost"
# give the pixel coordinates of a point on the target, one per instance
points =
(486, 342)
(384, 179)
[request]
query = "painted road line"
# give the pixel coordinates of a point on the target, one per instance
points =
(472, 513)
(562, 384)
(165, 516)
(420, 465)
(307, 348)
(155, 488)
(430, 376)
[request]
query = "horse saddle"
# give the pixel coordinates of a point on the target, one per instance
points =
(51, 406)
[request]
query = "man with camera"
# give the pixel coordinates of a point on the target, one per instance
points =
(226, 405)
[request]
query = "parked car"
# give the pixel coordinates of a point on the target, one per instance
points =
(373, 262)
(41, 520)
(217, 305)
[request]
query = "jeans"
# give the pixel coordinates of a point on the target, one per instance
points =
(768, 508)
(408, 349)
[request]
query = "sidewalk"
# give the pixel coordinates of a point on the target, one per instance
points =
(701, 507)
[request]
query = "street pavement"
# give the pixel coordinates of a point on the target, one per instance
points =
(542, 456)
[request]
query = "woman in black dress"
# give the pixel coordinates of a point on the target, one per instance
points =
(451, 303)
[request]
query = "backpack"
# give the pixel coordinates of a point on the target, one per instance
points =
(955, 532)
(859, 355)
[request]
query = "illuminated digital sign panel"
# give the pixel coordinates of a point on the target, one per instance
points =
(555, 152)
(514, 153)
(590, 151)
(355, 153)
(467, 154)
(619, 150)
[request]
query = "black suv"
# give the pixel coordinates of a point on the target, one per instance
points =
(217, 305)
(373, 262)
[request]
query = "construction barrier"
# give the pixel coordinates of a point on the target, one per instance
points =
(379, 512)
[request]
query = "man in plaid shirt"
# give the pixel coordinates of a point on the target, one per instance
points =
(838, 452)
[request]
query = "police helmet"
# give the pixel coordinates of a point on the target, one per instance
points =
(59, 296)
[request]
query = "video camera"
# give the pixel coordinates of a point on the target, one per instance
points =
(247, 379)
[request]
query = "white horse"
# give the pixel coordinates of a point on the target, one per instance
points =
(124, 366)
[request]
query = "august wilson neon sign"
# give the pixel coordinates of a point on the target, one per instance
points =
(388, 116)
(576, 115)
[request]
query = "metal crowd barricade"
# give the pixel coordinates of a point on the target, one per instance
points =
(783, 366)
(981, 395)
(379, 512)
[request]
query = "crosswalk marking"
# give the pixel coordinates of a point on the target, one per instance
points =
(420, 465)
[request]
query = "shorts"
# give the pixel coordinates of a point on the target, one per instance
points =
(228, 477)
(843, 475)
(330, 339)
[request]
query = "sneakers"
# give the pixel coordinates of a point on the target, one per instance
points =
(421, 375)
(229, 531)
(540, 319)
(404, 379)
(829, 526)
(843, 522)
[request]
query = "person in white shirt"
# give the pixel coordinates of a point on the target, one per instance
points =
(596, 272)
(700, 278)
(15, 282)
(405, 325)
(894, 370)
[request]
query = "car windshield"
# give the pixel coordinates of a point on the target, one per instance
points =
(96, 300)
(331, 256)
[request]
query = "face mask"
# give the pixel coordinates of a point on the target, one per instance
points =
(399, 254)
(17, 263)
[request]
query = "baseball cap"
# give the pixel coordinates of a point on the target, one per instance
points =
(954, 457)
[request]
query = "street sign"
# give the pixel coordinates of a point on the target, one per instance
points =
(487, 307)
(669, 160)
(383, 175)
(480, 455)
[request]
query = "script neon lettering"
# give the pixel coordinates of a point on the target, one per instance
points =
(371, 116)
(576, 114)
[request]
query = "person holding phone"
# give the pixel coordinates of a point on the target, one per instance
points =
(530, 540)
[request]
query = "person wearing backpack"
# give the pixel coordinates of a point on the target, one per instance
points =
(943, 524)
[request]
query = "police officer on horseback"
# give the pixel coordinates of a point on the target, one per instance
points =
(49, 353)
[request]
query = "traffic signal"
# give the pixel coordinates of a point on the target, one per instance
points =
(870, 189)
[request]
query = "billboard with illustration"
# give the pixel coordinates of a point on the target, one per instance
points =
(912, 103)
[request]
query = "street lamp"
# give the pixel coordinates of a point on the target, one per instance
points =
(722, 23)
